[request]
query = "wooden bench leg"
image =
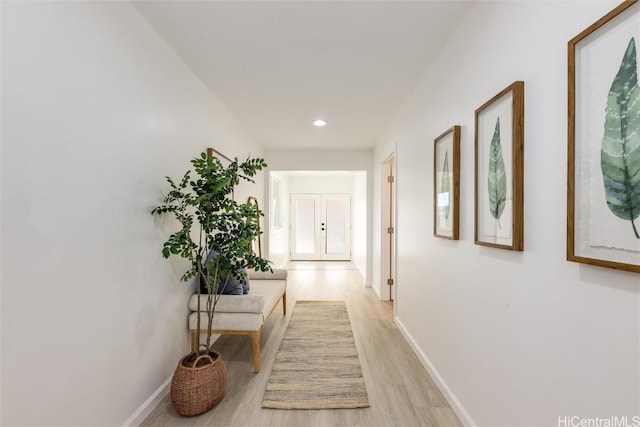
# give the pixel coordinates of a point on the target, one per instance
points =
(194, 340)
(284, 303)
(255, 343)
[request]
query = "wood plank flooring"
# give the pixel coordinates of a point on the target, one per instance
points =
(400, 391)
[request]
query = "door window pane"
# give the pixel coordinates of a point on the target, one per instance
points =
(305, 226)
(335, 226)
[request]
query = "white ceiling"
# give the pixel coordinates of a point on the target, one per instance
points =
(278, 65)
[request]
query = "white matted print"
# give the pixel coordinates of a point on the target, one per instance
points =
(446, 180)
(603, 215)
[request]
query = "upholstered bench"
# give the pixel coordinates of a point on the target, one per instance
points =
(243, 314)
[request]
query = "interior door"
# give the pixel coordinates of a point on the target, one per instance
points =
(320, 227)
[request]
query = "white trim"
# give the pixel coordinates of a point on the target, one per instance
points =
(368, 284)
(376, 290)
(149, 405)
(457, 407)
(364, 274)
(388, 217)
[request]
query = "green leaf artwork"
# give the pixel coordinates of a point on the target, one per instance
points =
(497, 179)
(445, 186)
(620, 153)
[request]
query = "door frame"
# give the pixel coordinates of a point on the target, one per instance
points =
(388, 229)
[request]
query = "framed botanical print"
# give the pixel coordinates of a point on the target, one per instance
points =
(446, 185)
(603, 182)
(499, 170)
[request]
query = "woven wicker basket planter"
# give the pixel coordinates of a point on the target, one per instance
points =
(196, 390)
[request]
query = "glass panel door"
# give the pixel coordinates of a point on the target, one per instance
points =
(335, 239)
(336, 224)
(305, 233)
(320, 227)
(305, 227)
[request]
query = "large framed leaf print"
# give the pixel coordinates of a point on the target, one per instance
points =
(446, 184)
(499, 170)
(603, 185)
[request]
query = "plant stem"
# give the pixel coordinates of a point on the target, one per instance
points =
(199, 276)
(211, 300)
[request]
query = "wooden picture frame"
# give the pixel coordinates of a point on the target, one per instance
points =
(446, 184)
(499, 170)
(603, 168)
(212, 152)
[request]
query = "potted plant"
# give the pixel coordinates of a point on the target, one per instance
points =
(214, 237)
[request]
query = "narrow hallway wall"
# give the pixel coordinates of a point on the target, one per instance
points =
(514, 338)
(96, 110)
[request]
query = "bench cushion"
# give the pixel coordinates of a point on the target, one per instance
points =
(240, 312)
(263, 295)
(277, 274)
(228, 321)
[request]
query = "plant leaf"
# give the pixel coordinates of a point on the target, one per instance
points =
(620, 152)
(445, 186)
(497, 179)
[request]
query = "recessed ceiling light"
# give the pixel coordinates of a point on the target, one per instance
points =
(319, 123)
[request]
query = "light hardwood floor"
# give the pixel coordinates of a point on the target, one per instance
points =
(401, 393)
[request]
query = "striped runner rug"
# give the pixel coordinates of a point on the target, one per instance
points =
(317, 365)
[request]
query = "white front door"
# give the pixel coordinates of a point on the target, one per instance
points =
(320, 227)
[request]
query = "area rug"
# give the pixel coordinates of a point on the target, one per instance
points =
(317, 365)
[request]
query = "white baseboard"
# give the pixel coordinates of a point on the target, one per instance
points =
(360, 269)
(455, 404)
(368, 284)
(376, 291)
(149, 405)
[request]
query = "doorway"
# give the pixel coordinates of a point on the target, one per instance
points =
(320, 227)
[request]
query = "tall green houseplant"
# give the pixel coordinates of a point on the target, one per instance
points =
(205, 201)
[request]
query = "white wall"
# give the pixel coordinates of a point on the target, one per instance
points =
(319, 160)
(515, 338)
(315, 184)
(359, 227)
(96, 110)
